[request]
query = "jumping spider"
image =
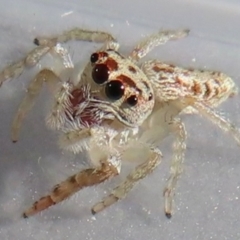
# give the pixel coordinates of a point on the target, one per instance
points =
(118, 110)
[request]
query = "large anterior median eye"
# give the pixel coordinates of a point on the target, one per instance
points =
(114, 90)
(100, 73)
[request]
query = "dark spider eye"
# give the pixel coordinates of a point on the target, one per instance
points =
(150, 97)
(114, 90)
(100, 73)
(132, 100)
(94, 57)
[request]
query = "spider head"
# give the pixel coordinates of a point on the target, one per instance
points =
(120, 87)
(112, 88)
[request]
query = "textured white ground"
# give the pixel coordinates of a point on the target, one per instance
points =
(208, 194)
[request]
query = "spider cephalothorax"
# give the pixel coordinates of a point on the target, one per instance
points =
(117, 88)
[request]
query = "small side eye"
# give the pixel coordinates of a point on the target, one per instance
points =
(114, 90)
(100, 73)
(94, 58)
(150, 97)
(132, 100)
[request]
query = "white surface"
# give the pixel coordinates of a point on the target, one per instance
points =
(208, 194)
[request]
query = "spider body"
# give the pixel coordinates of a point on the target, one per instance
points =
(119, 110)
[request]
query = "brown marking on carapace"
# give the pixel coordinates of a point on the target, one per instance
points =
(132, 69)
(165, 69)
(102, 55)
(126, 80)
(111, 64)
(129, 82)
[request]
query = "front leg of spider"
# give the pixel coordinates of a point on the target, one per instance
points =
(85, 178)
